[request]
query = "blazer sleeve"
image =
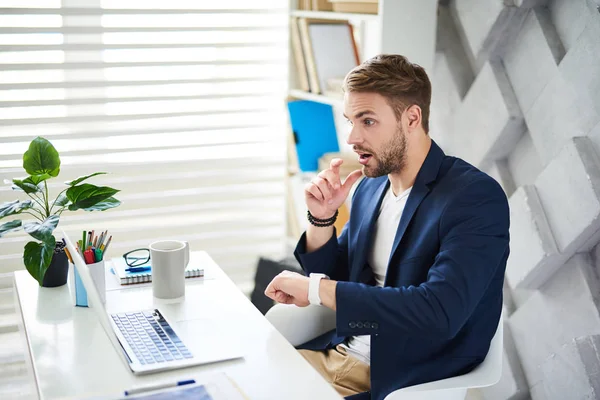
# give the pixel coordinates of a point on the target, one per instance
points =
(474, 243)
(330, 259)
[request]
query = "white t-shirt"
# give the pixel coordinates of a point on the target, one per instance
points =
(383, 239)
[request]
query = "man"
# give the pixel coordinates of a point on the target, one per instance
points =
(416, 275)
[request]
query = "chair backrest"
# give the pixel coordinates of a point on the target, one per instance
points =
(489, 372)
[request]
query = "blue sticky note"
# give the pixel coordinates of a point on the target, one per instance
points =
(80, 292)
(314, 130)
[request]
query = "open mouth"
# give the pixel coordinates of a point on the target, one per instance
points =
(364, 158)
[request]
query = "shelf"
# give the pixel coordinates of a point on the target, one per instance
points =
(333, 15)
(301, 94)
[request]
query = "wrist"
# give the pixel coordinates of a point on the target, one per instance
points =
(322, 222)
(324, 216)
(327, 293)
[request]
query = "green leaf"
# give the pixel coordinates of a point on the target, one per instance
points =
(10, 226)
(61, 200)
(37, 179)
(41, 158)
(29, 184)
(14, 207)
(111, 202)
(27, 187)
(42, 230)
(83, 178)
(37, 258)
(86, 195)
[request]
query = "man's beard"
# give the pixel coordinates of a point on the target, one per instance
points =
(392, 158)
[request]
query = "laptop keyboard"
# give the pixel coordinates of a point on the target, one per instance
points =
(150, 337)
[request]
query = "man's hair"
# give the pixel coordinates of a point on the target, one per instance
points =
(401, 82)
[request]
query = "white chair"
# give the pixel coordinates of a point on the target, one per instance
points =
(301, 324)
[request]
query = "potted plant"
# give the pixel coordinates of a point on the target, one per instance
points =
(45, 258)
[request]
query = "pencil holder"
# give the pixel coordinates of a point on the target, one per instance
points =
(98, 276)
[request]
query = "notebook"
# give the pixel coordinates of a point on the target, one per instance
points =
(314, 130)
(129, 278)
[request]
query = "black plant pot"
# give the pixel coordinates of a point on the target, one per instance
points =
(58, 271)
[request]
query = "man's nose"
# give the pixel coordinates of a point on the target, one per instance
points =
(354, 136)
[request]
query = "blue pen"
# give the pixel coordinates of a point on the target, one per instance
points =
(158, 386)
(138, 269)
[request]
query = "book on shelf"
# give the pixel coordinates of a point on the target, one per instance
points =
(299, 57)
(315, 5)
(355, 6)
(144, 273)
(321, 5)
(314, 130)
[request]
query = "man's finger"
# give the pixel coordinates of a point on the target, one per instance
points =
(335, 165)
(332, 178)
(271, 291)
(314, 190)
(351, 180)
(323, 186)
(280, 297)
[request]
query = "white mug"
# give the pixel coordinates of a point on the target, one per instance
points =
(169, 258)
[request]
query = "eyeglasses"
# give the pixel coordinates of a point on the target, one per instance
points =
(137, 257)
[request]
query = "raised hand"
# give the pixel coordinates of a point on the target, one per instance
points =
(326, 193)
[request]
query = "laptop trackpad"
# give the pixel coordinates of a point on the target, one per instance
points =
(207, 340)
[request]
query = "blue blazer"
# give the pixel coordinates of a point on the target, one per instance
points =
(442, 298)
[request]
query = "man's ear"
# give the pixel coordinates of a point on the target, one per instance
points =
(413, 116)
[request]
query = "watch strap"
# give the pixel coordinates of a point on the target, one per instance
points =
(314, 286)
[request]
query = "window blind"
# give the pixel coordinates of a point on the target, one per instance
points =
(181, 102)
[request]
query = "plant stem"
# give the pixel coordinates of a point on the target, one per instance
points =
(54, 202)
(33, 215)
(46, 200)
(36, 210)
(37, 200)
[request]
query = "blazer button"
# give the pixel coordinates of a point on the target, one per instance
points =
(359, 325)
(367, 325)
(352, 324)
(374, 325)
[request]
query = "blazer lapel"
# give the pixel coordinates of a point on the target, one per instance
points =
(365, 231)
(427, 174)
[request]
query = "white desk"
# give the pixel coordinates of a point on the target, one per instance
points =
(72, 358)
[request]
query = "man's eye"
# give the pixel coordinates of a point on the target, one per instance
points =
(368, 122)
(349, 122)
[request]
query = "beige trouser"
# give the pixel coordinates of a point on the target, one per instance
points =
(346, 374)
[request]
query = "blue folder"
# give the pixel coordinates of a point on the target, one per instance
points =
(314, 132)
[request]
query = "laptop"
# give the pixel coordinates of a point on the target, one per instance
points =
(146, 340)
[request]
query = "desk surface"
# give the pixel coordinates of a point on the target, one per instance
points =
(71, 356)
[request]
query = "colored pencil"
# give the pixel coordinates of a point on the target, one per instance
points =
(69, 255)
(106, 246)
